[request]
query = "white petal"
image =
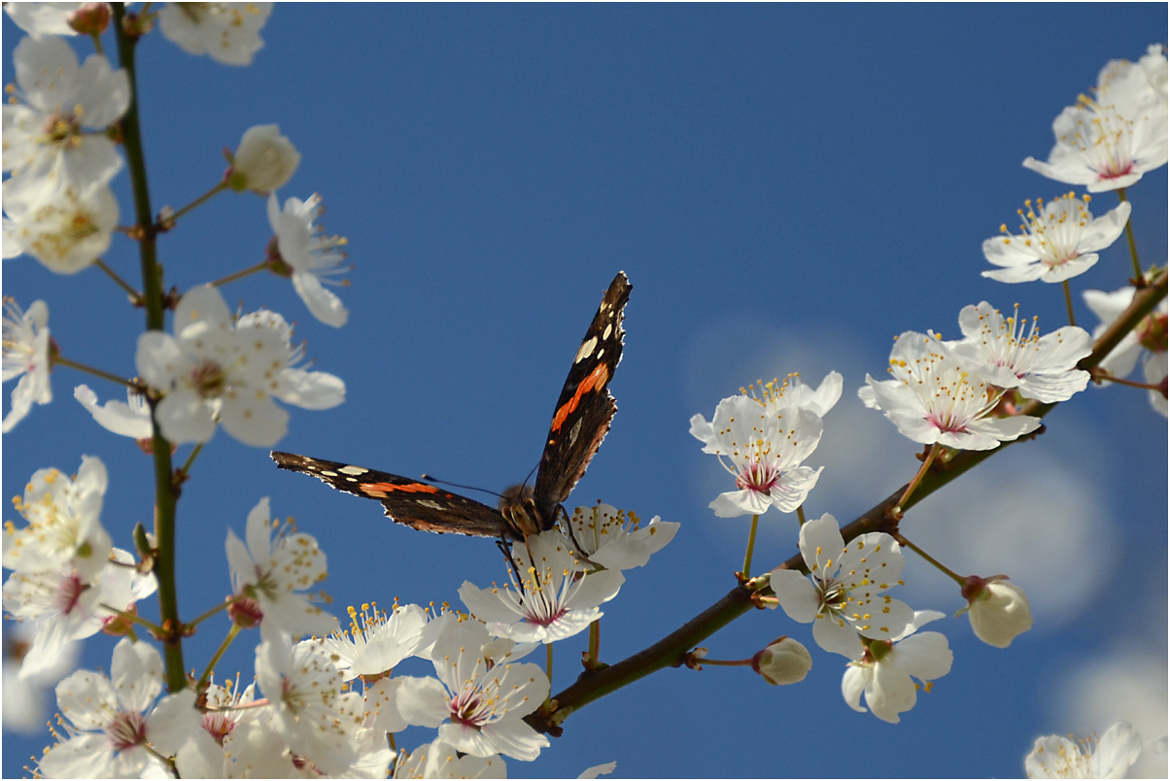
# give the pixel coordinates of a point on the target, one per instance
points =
(136, 674)
(796, 594)
(255, 421)
(183, 417)
(323, 303)
(853, 684)
(310, 390)
(423, 702)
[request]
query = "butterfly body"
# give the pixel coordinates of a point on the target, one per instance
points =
(580, 422)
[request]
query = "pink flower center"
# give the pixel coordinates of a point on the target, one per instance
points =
(127, 731)
(947, 423)
(758, 477)
(218, 725)
(465, 709)
(69, 594)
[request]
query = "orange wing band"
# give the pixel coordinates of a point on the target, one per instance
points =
(596, 379)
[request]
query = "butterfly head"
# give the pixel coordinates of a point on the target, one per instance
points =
(519, 510)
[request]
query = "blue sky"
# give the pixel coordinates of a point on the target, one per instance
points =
(787, 188)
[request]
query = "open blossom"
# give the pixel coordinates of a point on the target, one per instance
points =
(377, 641)
(998, 610)
(213, 370)
(777, 394)
(763, 449)
(1006, 354)
(309, 256)
(480, 704)
(275, 571)
(45, 136)
(130, 418)
(264, 161)
(1152, 67)
(442, 760)
(934, 399)
(554, 599)
(885, 671)
(1054, 756)
(1108, 141)
(108, 726)
(26, 355)
(41, 19)
(1059, 243)
(844, 594)
(227, 32)
(613, 538)
(65, 228)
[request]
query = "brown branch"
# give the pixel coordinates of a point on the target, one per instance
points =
(672, 649)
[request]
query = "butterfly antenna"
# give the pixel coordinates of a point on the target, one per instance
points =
(530, 474)
(431, 479)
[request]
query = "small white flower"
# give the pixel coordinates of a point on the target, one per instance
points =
(1059, 243)
(480, 705)
(1147, 341)
(783, 662)
(63, 228)
(1040, 367)
(44, 129)
(274, 572)
(764, 449)
(130, 418)
(613, 539)
(306, 688)
(264, 161)
(310, 256)
(26, 355)
(998, 610)
(885, 670)
(554, 599)
(377, 641)
(933, 399)
(844, 593)
(227, 32)
(442, 760)
(108, 729)
(1107, 142)
(1054, 756)
(42, 19)
(213, 371)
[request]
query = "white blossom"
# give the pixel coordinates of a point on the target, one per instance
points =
(1056, 244)
(781, 393)
(1146, 342)
(783, 662)
(763, 449)
(45, 129)
(26, 355)
(844, 594)
(934, 399)
(614, 539)
(42, 19)
(885, 670)
(377, 641)
(442, 760)
(480, 704)
(1054, 756)
(213, 370)
(227, 32)
(999, 611)
(274, 571)
(130, 418)
(1001, 351)
(311, 257)
(64, 228)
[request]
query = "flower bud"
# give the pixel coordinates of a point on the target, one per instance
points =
(264, 161)
(91, 18)
(245, 613)
(783, 662)
(998, 610)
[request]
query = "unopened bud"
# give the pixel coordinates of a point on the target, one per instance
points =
(119, 625)
(264, 161)
(783, 662)
(91, 18)
(998, 610)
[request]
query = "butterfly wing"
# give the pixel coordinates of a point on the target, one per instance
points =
(585, 407)
(407, 501)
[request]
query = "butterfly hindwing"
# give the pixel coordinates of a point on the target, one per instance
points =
(585, 408)
(407, 501)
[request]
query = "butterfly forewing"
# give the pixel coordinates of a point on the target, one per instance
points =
(585, 408)
(407, 501)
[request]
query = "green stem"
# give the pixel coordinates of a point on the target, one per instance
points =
(548, 662)
(200, 200)
(240, 274)
(97, 43)
(185, 469)
(219, 652)
(926, 462)
(942, 567)
(1137, 266)
(208, 614)
(152, 292)
(595, 641)
(1072, 318)
(81, 367)
(800, 515)
(134, 619)
(751, 546)
(1122, 381)
(726, 663)
(672, 649)
(135, 296)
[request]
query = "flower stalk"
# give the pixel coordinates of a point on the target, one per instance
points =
(1137, 266)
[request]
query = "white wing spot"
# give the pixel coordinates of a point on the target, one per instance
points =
(327, 473)
(353, 470)
(608, 331)
(586, 349)
(429, 503)
(576, 430)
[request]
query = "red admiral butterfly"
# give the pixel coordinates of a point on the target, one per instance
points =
(580, 422)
